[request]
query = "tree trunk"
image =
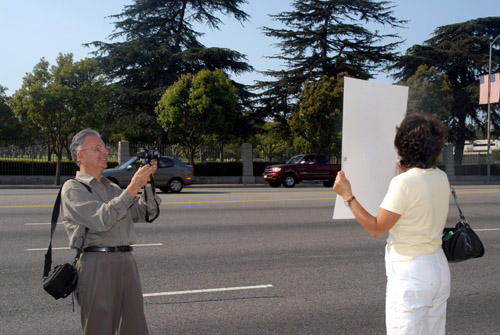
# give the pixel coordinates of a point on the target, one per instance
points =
(49, 153)
(58, 169)
(191, 156)
(221, 152)
(460, 143)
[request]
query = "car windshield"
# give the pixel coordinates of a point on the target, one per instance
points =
(131, 161)
(164, 162)
(179, 163)
(295, 159)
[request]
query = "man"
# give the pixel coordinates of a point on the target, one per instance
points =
(102, 216)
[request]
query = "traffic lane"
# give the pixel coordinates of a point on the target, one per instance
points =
(316, 280)
(247, 220)
(293, 245)
(461, 270)
(226, 256)
(25, 198)
(246, 225)
(241, 197)
(293, 304)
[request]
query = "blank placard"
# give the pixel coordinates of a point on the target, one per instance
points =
(372, 111)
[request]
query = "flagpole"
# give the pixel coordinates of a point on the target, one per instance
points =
(488, 169)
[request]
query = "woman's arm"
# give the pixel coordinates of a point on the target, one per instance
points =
(375, 226)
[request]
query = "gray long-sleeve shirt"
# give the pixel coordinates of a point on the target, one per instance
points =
(109, 213)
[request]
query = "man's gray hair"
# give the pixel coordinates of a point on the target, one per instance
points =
(77, 142)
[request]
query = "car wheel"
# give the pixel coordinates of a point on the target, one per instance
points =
(329, 183)
(175, 185)
(163, 188)
(289, 181)
(275, 183)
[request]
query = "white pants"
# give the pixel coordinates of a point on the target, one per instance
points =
(417, 292)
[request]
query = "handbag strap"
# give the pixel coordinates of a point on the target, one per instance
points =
(153, 188)
(462, 217)
(55, 217)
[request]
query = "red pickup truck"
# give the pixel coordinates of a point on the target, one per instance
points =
(299, 168)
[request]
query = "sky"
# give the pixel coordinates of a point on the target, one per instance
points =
(32, 29)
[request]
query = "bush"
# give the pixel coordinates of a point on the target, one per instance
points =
(477, 170)
(23, 168)
(218, 169)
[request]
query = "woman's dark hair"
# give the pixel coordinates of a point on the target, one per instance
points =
(419, 140)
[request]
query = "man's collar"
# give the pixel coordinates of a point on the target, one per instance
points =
(86, 178)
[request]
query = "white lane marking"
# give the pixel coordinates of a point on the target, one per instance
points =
(148, 245)
(487, 229)
(43, 249)
(67, 248)
(208, 290)
(39, 224)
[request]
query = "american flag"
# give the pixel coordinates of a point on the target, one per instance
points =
(495, 89)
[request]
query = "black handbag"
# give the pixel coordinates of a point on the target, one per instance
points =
(461, 242)
(62, 280)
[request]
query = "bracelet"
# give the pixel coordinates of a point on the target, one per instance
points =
(348, 201)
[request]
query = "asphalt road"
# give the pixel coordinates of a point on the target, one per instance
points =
(246, 260)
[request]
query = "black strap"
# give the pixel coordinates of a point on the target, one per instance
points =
(462, 217)
(152, 181)
(55, 217)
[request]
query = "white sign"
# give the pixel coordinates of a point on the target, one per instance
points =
(372, 111)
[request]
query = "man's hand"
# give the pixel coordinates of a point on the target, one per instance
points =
(141, 177)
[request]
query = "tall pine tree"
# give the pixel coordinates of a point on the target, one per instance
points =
(460, 51)
(155, 43)
(325, 38)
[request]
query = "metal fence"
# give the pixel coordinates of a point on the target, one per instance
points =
(228, 153)
(35, 152)
(29, 152)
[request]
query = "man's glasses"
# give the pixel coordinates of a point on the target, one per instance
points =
(100, 148)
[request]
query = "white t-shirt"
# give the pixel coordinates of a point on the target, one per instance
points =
(422, 198)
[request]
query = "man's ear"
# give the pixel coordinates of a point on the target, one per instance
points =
(79, 156)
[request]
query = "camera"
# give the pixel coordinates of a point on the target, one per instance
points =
(147, 155)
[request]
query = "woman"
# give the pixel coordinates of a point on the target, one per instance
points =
(414, 212)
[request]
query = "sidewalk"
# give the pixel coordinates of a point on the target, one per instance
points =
(40, 182)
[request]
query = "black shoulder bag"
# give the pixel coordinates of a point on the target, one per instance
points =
(461, 242)
(62, 281)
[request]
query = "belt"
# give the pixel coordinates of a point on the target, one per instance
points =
(122, 248)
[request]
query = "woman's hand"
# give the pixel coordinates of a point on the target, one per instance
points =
(376, 226)
(342, 186)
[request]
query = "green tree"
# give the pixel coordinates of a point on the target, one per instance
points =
(269, 141)
(495, 155)
(199, 108)
(157, 43)
(62, 100)
(429, 93)
(318, 117)
(461, 52)
(325, 38)
(11, 130)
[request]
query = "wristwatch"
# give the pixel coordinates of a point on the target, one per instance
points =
(348, 201)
